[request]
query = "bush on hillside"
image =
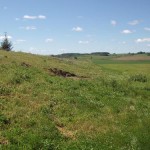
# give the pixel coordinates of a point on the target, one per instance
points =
(138, 77)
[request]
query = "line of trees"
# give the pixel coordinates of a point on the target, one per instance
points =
(6, 44)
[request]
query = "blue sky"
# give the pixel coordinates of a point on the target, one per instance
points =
(66, 26)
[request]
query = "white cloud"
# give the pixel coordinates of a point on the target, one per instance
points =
(20, 40)
(41, 17)
(124, 42)
(29, 17)
(49, 40)
(77, 29)
(3, 37)
(134, 22)
(29, 28)
(113, 22)
(34, 17)
(9, 37)
(148, 45)
(147, 29)
(127, 31)
(83, 42)
(143, 40)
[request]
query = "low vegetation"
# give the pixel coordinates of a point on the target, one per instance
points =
(105, 104)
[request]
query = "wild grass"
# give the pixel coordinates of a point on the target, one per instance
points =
(109, 109)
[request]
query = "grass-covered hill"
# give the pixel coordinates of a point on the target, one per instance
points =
(88, 103)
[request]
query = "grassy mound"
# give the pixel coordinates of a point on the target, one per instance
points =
(109, 109)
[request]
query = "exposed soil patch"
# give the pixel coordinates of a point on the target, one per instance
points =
(63, 73)
(25, 65)
(66, 133)
(3, 141)
(62, 129)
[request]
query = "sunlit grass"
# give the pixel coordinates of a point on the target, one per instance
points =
(108, 109)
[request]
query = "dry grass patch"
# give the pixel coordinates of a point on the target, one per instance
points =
(3, 141)
(67, 133)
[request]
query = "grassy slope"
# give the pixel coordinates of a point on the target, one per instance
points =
(107, 110)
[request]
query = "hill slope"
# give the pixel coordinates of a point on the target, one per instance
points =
(51, 103)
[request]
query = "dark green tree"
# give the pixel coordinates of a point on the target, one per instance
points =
(6, 44)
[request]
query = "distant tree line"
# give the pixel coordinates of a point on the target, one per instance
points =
(66, 55)
(101, 53)
(75, 55)
(140, 53)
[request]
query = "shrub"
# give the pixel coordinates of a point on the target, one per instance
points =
(4, 119)
(138, 78)
(5, 90)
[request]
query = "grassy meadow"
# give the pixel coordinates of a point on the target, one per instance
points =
(106, 106)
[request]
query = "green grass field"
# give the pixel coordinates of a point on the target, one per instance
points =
(105, 107)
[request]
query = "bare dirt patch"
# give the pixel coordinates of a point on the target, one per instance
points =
(24, 64)
(133, 58)
(3, 141)
(67, 133)
(62, 73)
(62, 129)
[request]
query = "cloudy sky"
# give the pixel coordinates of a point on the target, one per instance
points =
(62, 26)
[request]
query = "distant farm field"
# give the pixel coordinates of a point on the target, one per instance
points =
(133, 58)
(87, 103)
(127, 59)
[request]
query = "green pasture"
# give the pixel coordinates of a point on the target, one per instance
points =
(105, 107)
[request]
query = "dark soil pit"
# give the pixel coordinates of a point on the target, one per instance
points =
(62, 73)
